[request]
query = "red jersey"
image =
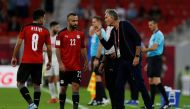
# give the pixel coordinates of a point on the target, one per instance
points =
(34, 36)
(70, 44)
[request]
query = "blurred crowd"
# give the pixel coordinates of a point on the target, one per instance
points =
(15, 13)
(12, 12)
(130, 13)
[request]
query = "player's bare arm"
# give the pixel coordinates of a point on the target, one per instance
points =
(98, 55)
(101, 67)
(15, 52)
(49, 53)
(152, 48)
(84, 56)
(99, 50)
(61, 65)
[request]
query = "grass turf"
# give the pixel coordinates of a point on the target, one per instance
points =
(10, 98)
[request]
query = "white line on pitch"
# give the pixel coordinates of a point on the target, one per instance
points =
(67, 100)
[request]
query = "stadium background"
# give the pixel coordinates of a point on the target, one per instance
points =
(174, 22)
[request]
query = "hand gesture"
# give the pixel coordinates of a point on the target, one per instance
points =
(135, 61)
(48, 65)
(101, 68)
(96, 62)
(14, 61)
(145, 67)
(113, 55)
(98, 31)
(62, 67)
(143, 49)
(85, 68)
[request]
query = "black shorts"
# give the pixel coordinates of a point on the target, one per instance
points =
(96, 68)
(26, 69)
(154, 68)
(68, 77)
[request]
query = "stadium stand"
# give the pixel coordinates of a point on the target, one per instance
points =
(173, 13)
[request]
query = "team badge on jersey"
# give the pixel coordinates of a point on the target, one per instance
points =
(78, 36)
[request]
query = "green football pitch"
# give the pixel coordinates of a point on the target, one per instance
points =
(10, 98)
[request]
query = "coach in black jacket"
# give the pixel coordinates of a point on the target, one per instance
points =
(127, 43)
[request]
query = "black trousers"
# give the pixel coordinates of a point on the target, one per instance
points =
(133, 88)
(110, 66)
(123, 74)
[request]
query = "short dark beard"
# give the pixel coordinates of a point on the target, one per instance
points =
(73, 27)
(54, 32)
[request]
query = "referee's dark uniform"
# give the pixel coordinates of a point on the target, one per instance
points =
(126, 39)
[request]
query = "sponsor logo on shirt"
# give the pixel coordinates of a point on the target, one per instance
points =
(66, 36)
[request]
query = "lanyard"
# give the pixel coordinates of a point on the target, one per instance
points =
(118, 38)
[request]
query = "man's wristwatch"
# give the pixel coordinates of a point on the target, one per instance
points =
(137, 55)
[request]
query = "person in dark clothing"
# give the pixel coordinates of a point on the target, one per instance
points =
(127, 43)
(134, 93)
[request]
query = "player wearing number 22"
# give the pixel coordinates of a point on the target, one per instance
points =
(70, 48)
(34, 36)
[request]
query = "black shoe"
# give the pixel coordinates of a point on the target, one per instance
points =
(75, 106)
(166, 106)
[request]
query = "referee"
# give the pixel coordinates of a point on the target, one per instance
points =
(96, 53)
(154, 66)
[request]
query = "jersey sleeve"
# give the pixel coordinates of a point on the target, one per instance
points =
(47, 38)
(158, 39)
(82, 40)
(58, 43)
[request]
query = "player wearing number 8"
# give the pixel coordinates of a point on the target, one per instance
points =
(34, 36)
(70, 48)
